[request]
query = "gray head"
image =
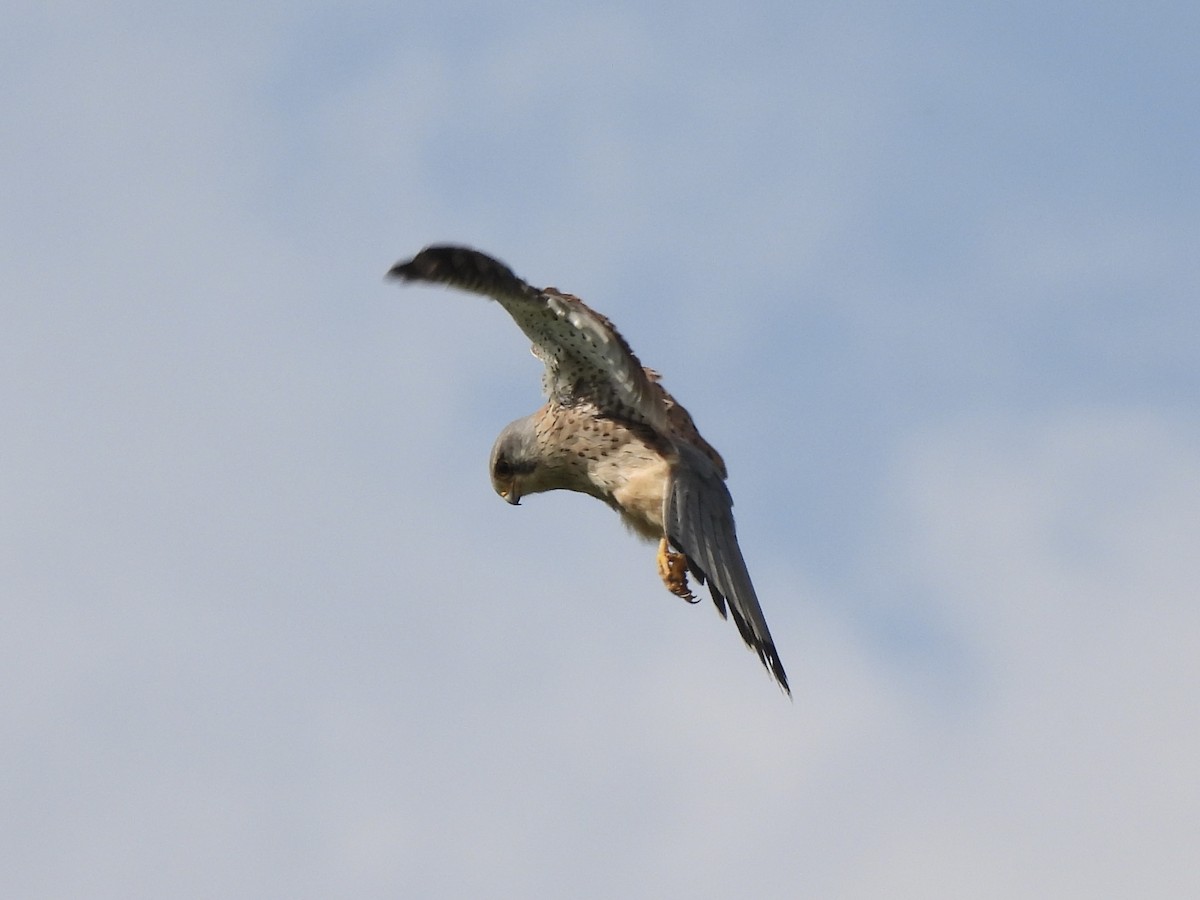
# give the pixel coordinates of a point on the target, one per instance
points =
(515, 460)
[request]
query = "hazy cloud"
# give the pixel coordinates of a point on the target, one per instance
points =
(924, 276)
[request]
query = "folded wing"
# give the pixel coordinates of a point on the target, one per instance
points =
(699, 523)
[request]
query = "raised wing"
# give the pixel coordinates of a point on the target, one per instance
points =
(699, 523)
(586, 359)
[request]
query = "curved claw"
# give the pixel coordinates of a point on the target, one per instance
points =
(672, 569)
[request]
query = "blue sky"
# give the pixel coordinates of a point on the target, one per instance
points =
(926, 275)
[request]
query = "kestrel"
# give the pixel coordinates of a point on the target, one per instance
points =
(611, 430)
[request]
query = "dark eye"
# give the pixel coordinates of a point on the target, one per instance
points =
(503, 469)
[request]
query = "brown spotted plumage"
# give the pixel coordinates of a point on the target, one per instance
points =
(611, 430)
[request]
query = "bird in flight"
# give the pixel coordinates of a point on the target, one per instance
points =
(611, 430)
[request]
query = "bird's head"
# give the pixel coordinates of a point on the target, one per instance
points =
(514, 461)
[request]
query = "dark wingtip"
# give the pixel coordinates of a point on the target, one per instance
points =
(459, 267)
(425, 265)
(771, 661)
(765, 649)
(401, 271)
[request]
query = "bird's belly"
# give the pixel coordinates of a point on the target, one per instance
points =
(639, 492)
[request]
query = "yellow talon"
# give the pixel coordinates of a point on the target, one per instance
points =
(672, 569)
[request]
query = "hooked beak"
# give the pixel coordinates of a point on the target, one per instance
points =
(512, 494)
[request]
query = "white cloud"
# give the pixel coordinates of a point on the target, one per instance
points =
(1059, 551)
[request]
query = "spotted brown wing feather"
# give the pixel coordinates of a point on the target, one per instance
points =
(682, 428)
(699, 523)
(586, 359)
